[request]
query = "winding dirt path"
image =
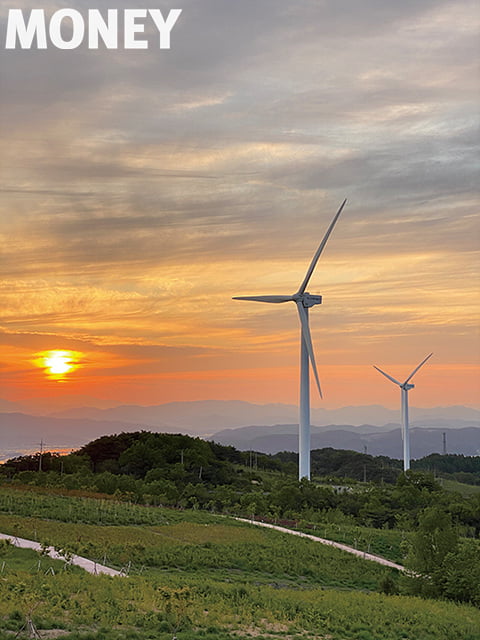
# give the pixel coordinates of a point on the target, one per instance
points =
(331, 543)
(89, 565)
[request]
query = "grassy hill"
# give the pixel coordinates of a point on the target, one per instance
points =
(199, 575)
(159, 507)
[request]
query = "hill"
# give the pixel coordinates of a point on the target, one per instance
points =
(195, 575)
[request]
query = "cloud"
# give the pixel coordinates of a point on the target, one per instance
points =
(143, 189)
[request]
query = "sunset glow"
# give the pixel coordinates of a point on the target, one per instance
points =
(142, 191)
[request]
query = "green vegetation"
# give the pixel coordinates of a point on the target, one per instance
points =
(185, 472)
(446, 566)
(29, 561)
(136, 453)
(204, 576)
(158, 506)
(459, 487)
(101, 608)
(464, 469)
(387, 543)
(179, 540)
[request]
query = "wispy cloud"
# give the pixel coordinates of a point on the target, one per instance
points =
(141, 190)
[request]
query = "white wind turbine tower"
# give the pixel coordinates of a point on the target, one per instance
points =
(304, 301)
(405, 388)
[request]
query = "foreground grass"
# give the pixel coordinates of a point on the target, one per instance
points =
(143, 608)
(200, 576)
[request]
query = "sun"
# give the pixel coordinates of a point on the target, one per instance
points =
(58, 363)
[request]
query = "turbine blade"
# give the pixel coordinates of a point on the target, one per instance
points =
(308, 341)
(387, 376)
(273, 299)
(417, 368)
(313, 264)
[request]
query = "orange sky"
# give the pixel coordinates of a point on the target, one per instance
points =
(142, 190)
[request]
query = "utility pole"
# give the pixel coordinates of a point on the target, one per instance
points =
(40, 457)
(444, 443)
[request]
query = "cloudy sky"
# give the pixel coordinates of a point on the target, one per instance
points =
(141, 190)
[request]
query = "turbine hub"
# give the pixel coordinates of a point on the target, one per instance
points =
(309, 300)
(408, 386)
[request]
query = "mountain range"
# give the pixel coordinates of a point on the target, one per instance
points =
(376, 441)
(208, 416)
(268, 428)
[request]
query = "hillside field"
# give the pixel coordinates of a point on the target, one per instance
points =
(197, 575)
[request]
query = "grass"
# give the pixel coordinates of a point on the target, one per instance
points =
(15, 560)
(201, 576)
(231, 549)
(144, 608)
(383, 542)
(465, 490)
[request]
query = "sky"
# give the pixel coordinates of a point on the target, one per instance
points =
(142, 189)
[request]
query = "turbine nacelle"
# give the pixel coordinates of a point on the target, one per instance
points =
(407, 386)
(307, 299)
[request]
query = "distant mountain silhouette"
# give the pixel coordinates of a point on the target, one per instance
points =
(20, 431)
(224, 421)
(423, 441)
(209, 416)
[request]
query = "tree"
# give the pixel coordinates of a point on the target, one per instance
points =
(461, 577)
(433, 541)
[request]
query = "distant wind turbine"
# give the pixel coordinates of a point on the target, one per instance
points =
(304, 301)
(405, 388)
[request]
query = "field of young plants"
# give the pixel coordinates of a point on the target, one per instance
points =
(197, 575)
(387, 543)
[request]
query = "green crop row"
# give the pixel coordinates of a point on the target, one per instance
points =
(88, 510)
(387, 543)
(229, 547)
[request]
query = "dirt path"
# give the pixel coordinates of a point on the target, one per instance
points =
(331, 543)
(79, 561)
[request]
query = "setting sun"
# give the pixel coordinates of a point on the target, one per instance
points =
(58, 364)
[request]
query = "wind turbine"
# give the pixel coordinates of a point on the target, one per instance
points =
(405, 388)
(304, 301)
